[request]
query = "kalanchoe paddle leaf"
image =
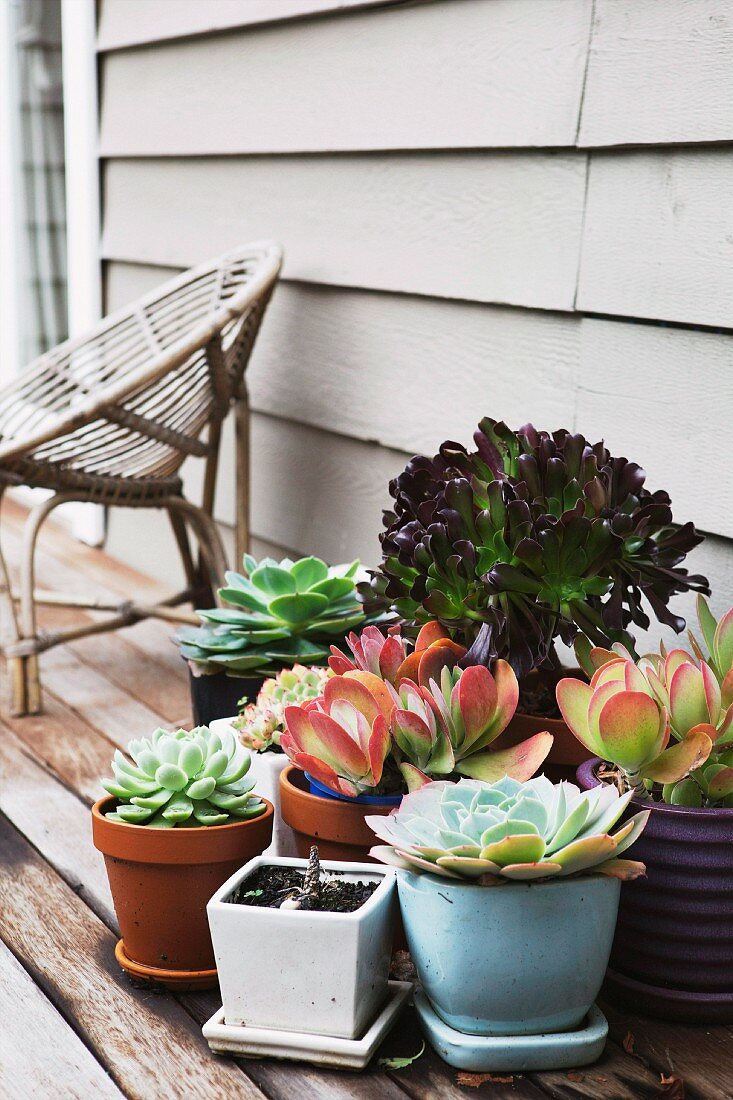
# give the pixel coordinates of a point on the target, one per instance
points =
(718, 637)
(183, 779)
(394, 658)
(530, 537)
(659, 721)
(277, 613)
(341, 739)
(261, 723)
(491, 832)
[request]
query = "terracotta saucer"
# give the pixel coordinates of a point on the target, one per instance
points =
(181, 980)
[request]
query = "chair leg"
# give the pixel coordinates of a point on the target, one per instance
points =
(242, 504)
(207, 533)
(24, 670)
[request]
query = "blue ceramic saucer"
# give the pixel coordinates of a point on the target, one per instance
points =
(513, 1053)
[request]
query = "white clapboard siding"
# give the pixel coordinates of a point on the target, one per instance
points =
(405, 372)
(123, 23)
(500, 228)
(659, 72)
(664, 397)
(451, 74)
(658, 236)
(354, 362)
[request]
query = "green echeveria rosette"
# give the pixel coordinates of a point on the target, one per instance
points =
(490, 832)
(530, 537)
(189, 779)
(277, 614)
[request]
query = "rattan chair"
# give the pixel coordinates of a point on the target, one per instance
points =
(110, 418)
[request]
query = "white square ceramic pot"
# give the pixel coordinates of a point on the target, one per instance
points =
(294, 970)
(265, 769)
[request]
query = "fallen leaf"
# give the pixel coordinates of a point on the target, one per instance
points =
(673, 1087)
(572, 1076)
(476, 1080)
(629, 1042)
(400, 1063)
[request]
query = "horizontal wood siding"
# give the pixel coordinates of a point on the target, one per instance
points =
(461, 74)
(137, 22)
(492, 228)
(462, 237)
(658, 239)
(659, 72)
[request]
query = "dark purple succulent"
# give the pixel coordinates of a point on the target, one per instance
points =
(531, 537)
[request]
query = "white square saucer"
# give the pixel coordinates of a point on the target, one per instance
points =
(260, 1042)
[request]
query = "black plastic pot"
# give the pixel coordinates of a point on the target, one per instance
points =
(218, 695)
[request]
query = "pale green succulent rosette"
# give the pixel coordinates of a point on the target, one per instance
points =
(490, 832)
(189, 779)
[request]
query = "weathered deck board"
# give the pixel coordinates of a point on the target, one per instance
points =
(40, 1055)
(58, 922)
(148, 1043)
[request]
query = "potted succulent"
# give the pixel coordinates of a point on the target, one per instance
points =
(324, 942)
(530, 539)
(376, 733)
(260, 727)
(179, 818)
(508, 893)
(662, 728)
(275, 614)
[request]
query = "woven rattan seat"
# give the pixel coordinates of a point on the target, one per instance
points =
(110, 418)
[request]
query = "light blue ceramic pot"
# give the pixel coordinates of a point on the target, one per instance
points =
(516, 959)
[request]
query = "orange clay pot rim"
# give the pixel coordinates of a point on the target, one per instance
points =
(182, 829)
(160, 974)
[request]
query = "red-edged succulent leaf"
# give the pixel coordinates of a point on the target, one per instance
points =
(680, 759)
(413, 777)
(412, 734)
(573, 699)
(338, 748)
(624, 869)
(713, 695)
(629, 727)
(391, 657)
(687, 702)
(443, 654)
(519, 761)
(339, 663)
(429, 634)
(477, 697)
(379, 745)
(721, 785)
(364, 690)
(726, 690)
(318, 769)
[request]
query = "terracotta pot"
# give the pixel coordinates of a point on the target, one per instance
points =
(161, 880)
(217, 695)
(567, 753)
(673, 951)
(336, 826)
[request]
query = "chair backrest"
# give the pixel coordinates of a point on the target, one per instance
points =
(141, 386)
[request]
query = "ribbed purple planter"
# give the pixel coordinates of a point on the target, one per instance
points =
(673, 951)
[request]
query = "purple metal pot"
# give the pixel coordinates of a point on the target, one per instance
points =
(672, 955)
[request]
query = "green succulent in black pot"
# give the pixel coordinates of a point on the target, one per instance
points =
(277, 614)
(531, 537)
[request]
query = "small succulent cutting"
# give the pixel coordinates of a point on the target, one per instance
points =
(665, 721)
(493, 832)
(276, 614)
(187, 778)
(530, 537)
(260, 725)
(366, 735)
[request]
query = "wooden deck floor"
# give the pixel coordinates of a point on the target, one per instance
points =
(72, 1024)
